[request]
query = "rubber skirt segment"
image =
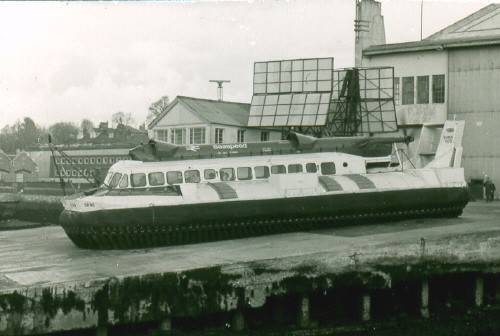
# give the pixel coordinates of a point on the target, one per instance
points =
(183, 224)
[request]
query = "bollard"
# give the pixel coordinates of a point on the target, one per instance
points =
(238, 321)
(424, 309)
(365, 309)
(166, 324)
(303, 312)
(479, 289)
(101, 331)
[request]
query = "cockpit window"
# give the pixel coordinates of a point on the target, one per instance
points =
(124, 181)
(138, 180)
(107, 179)
(114, 181)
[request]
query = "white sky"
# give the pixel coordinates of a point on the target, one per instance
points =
(64, 61)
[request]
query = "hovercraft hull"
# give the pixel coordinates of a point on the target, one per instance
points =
(164, 225)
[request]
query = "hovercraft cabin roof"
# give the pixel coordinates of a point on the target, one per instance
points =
(211, 111)
(481, 28)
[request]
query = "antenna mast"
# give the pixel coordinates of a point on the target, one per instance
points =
(220, 89)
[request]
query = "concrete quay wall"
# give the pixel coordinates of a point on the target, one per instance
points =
(304, 281)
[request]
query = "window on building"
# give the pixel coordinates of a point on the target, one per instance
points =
(438, 89)
(92, 160)
(423, 90)
(240, 136)
(105, 160)
(80, 160)
(178, 136)
(161, 135)
(396, 90)
(111, 160)
(264, 136)
(196, 136)
(98, 160)
(408, 90)
(86, 160)
(219, 135)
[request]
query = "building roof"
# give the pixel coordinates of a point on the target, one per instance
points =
(481, 28)
(211, 111)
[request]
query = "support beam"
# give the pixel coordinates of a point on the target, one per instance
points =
(238, 321)
(166, 324)
(102, 331)
(424, 308)
(366, 307)
(479, 291)
(303, 312)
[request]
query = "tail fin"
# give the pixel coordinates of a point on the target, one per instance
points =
(449, 151)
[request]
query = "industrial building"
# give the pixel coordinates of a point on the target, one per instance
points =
(452, 74)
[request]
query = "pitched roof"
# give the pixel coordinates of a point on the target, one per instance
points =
(478, 29)
(211, 111)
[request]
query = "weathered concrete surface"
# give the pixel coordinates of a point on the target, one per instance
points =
(48, 284)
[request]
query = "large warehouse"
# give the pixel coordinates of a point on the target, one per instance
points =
(452, 74)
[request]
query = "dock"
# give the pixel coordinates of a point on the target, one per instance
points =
(316, 282)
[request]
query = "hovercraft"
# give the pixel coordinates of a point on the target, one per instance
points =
(161, 203)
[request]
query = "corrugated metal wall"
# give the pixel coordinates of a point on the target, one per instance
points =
(474, 96)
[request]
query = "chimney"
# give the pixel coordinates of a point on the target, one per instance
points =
(369, 28)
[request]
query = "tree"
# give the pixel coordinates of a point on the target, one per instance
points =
(87, 127)
(63, 133)
(157, 108)
(120, 118)
(27, 133)
(8, 140)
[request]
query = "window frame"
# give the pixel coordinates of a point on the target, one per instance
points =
(423, 89)
(240, 136)
(438, 92)
(408, 91)
(219, 136)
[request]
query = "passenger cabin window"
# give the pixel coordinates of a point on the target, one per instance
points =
(174, 177)
(124, 181)
(244, 173)
(327, 168)
(209, 174)
(278, 169)
(192, 176)
(261, 172)
(138, 180)
(294, 168)
(311, 167)
(156, 179)
(114, 181)
(227, 174)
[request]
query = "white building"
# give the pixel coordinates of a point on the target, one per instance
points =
(454, 73)
(198, 121)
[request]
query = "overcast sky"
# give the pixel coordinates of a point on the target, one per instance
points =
(64, 61)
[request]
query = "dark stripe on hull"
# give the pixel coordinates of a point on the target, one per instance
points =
(170, 225)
